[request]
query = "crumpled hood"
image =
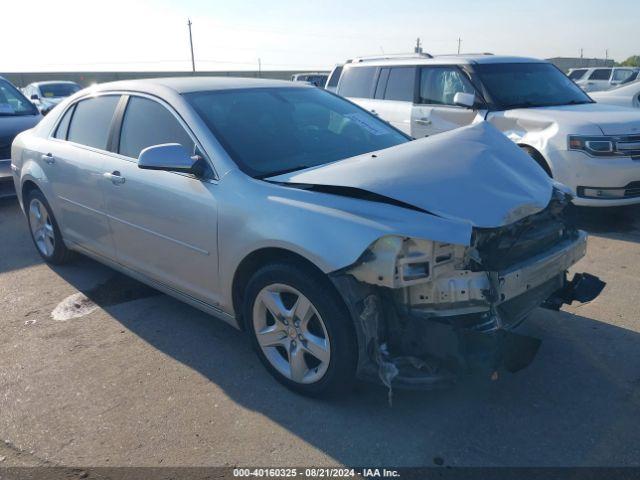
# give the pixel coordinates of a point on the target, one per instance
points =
(474, 174)
(610, 119)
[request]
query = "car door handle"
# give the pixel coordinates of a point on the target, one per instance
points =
(423, 121)
(115, 177)
(49, 158)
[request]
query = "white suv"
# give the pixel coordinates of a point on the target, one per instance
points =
(592, 148)
(599, 79)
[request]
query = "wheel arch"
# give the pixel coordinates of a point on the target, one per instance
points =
(538, 157)
(257, 259)
(28, 186)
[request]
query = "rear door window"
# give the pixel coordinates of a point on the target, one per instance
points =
(147, 123)
(357, 82)
(401, 84)
(63, 126)
(600, 74)
(381, 86)
(91, 121)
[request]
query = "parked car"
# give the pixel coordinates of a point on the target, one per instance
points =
(332, 79)
(315, 79)
(46, 95)
(340, 246)
(16, 114)
(625, 96)
(592, 148)
(598, 79)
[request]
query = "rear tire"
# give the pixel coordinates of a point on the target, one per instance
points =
(301, 329)
(44, 229)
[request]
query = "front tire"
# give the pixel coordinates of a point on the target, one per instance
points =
(44, 229)
(301, 329)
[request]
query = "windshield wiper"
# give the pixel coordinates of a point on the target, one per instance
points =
(522, 105)
(540, 105)
(578, 102)
(282, 172)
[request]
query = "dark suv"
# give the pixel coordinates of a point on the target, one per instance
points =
(16, 114)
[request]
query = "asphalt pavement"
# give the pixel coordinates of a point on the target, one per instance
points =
(143, 379)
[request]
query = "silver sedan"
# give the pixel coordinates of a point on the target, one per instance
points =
(339, 245)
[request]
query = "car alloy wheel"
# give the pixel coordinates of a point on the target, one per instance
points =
(291, 333)
(41, 228)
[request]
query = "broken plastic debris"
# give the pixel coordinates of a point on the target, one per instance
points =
(387, 371)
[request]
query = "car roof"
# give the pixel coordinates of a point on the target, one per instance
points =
(605, 68)
(468, 59)
(196, 84)
(52, 82)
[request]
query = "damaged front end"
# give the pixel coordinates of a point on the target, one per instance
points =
(428, 312)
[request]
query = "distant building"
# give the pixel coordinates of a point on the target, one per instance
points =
(566, 63)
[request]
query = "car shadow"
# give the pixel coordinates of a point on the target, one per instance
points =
(618, 223)
(575, 405)
(16, 250)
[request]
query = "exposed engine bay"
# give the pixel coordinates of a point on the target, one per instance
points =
(428, 312)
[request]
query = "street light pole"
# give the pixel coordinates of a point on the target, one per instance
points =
(193, 61)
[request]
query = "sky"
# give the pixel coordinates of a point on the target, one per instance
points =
(89, 35)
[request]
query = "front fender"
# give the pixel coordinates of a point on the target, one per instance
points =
(331, 231)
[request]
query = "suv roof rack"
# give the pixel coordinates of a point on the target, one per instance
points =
(390, 56)
(463, 54)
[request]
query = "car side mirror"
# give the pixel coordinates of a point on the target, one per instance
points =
(170, 157)
(467, 100)
(34, 97)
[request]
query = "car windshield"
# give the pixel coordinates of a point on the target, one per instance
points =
(12, 102)
(268, 131)
(522, 85)
(51, 90)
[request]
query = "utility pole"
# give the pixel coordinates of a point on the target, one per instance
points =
(259, 68)
(459, 43)
(581, 53)
(606, 54)
(418, 48)
(193, 61)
